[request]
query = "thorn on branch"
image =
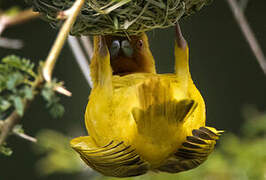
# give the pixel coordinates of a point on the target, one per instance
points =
(62, 90)
(25, 136)
(19, 131)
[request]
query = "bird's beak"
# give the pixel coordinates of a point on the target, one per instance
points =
(126, 48)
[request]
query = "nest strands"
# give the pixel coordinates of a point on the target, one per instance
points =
(119, 17)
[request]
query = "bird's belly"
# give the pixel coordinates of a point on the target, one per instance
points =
(143, 116)
(155, 151)
(154, 142)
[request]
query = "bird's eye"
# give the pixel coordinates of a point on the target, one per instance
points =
(114, 49)
(140, 43)
(126, 47)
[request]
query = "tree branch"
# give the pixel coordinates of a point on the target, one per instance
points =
(8, 124)
(19, 18)
(248, 34)
(11, 43)
(6, 21)
(87, 45)
(60, 40)
(80, 58)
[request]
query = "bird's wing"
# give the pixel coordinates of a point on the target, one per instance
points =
(193, 152)
(114, 159)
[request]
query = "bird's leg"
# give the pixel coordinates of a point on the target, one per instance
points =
(181, 57)
(101, 70)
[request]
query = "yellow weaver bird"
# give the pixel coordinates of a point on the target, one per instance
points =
(139, 120)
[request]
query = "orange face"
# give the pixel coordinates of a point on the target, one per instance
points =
(130, 54)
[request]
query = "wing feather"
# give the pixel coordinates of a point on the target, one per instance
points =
(193, 152)
(114, 159)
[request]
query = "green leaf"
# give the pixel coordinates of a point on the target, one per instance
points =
(18, 129)
(27, 92)
(47, 93)
(16, 84)
(6, 151)
(13, 80)
(4, 104)
(19, 106)
(57, 110)
(21, 64)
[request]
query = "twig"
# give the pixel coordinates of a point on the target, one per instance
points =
(9, 123)
(249, 35)
(15, 132)
(8, 126)
(62, 90)
(58, 44)
(80, 58)
(25, 136)
(11, 43)
(19, 18)
(86, 42)
(6, 21)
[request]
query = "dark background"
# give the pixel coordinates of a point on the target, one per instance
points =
(222, 66)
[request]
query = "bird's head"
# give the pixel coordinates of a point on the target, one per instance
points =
(130, 54)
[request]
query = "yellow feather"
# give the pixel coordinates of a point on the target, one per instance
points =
(153, 118)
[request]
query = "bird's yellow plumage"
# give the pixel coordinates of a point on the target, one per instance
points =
(139, 120)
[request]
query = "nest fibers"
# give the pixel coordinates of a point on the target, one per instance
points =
(119, 17)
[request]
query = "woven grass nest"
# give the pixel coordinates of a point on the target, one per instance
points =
(119, 17)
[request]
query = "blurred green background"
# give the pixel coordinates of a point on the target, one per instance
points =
(222, 66)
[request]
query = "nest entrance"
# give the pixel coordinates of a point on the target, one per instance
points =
(119, 17)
